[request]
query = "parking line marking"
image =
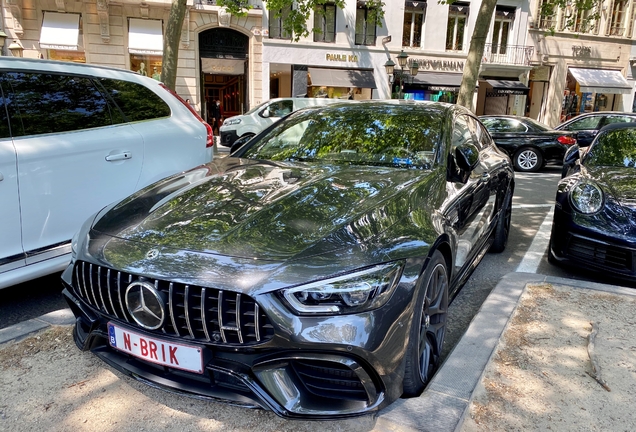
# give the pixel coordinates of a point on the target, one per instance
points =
(532, 258)
(521, 206)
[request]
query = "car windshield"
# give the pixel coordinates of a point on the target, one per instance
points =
(615, 148)
(356, 134)
(256, 108)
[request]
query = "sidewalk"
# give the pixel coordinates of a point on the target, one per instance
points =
(442, 407)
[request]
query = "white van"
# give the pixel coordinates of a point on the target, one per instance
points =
(258, 118)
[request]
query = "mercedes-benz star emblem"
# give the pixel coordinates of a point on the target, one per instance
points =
(152, 254)
(145, 305)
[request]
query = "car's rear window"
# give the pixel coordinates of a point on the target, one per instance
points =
(615, 148)
(136, 101)
(362, 134)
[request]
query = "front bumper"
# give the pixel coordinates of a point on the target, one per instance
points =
(294, 379)
(584, 247)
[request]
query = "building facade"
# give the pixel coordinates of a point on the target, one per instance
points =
(220, 56)
(241, 61)
(585, 65)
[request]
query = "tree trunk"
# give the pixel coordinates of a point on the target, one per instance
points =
(475, 54)
(171, 43)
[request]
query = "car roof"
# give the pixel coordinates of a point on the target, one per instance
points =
(55, 65)
(614, 126)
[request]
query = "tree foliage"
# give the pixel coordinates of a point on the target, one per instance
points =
(295, 22)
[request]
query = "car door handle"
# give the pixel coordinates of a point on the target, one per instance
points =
(119, 156)
(1, 177)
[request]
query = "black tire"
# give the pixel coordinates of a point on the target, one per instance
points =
(502, 230)
(551, 258)
(528, 159)
(428, 328)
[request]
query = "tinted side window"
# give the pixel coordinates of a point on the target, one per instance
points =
(136, 101)
(280, 108)
(41, 103)
(586, 123)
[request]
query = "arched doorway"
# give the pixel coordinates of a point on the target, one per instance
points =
(223, 55)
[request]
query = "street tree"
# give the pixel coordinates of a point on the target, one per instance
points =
(171, 43)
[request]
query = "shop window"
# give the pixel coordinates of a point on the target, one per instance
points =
(325, 23)
(617, 19)
(365, 24)
(413, 29)
(276, 20)
(546, 14)
(146, 65)
(455, 31)
(504, 19)
(136, 101)
(50, 103)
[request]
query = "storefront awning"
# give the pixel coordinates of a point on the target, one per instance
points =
(600, 81)
(434, 81)
(222, 66)
(60, 31)
(508, 87)
(342, 78)
(145, 36)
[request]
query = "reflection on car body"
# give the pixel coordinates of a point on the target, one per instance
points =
(595, 213)
(312, 269)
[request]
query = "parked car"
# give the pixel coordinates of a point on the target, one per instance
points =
(587, 125)
(529, 143)
(309, 273)
(245, 126)
(595, 214)
(74, 138)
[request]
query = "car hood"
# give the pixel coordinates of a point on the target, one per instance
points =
(264, 210)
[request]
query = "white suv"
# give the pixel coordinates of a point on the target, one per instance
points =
(74, 138)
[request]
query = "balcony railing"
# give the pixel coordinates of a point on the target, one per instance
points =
(508, 54)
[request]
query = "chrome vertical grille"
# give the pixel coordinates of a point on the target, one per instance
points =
(198, 313)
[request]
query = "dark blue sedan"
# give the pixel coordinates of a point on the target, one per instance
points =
(595, 213)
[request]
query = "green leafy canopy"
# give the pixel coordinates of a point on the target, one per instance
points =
(295, 22)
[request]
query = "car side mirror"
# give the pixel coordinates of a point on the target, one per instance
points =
(265, 113)
(467, 157)
(569, 160)
(584, 139)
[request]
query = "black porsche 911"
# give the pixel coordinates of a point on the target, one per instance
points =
(308, 273)
(529, 143)
(595, 213)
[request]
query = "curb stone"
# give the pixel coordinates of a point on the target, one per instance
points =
(25, 328)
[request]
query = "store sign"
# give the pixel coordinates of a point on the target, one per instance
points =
(351, 58)
(447, 65)
(581, 51)
(442, 88)
(519, 92)
(540, 73)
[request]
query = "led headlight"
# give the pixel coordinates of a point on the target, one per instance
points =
(74, 243)
(586, 197)
(354, 292)
(231, 121)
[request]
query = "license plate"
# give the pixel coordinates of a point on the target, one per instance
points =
(178, 356)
